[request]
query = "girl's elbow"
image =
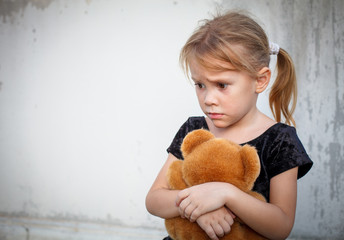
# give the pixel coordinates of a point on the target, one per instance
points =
(149, 205)
(282, 237)
(152, 204)
(287, 233)
(284, 233)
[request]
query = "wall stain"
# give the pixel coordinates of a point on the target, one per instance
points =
(27, 230)
(309, 107)
(336, 168)
(338, 34)
(335, 149)
(310, 143)
(9, 10)
(338, 120)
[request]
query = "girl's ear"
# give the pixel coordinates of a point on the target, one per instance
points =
(263, 79)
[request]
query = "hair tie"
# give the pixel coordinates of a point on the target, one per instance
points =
(274, 48)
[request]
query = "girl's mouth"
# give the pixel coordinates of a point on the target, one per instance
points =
(215, 115)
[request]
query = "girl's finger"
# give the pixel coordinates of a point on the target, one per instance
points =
(226, 226)
(181, 196)
(211, 233)
(218, 230)
(188, 211)
(182, 207)
(194, 215)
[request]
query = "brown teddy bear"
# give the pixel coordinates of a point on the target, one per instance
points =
(210, 159)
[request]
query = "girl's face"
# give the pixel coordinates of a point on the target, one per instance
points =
(227, 98)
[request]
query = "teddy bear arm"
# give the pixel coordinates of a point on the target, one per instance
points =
(175, 176)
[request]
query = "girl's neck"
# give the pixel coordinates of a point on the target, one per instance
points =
(244, 130)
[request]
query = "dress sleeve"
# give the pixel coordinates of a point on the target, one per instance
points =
(191, 124)
(289, 153)
(174, 148)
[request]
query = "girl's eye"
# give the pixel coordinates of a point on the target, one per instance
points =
(199, 85)
(222, 85)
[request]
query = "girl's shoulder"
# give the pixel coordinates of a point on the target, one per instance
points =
(276, 137)
(282, 149)
(277, 129)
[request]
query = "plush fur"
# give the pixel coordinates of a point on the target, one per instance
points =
(210, 159)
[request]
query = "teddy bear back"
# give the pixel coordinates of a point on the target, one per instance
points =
(210, 159)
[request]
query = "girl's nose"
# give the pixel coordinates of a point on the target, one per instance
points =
(210, 98)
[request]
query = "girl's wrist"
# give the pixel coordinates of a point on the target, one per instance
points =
(230, 195)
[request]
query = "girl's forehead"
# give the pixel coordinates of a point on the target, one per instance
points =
(218, 59)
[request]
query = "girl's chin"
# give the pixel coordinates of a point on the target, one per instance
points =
(220, 123)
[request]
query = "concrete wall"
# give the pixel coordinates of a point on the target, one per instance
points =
(91, 95)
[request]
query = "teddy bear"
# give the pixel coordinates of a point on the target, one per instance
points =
(211, 159)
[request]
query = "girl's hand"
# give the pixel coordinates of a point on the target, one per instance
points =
(218, 223)
(200, 199)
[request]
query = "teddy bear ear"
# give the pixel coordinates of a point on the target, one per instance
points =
(251, 163)
(195, 138)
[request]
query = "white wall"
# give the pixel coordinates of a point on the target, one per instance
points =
(92, 94)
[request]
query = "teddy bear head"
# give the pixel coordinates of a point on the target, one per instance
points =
(210, 159)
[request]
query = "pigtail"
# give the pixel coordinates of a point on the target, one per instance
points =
(284, 89)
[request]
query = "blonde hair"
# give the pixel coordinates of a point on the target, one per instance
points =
(236, 38)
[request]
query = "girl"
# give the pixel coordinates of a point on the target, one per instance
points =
(228, 60)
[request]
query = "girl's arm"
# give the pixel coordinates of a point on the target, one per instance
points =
(273, 220)
(160, 200)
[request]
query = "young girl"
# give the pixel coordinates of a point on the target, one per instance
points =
(228, 60)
